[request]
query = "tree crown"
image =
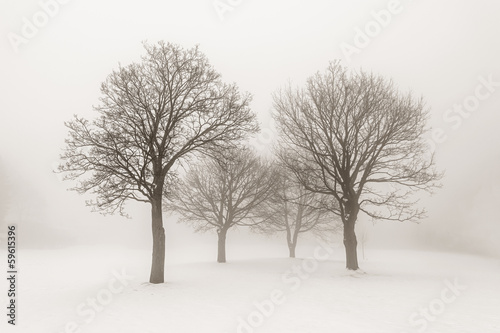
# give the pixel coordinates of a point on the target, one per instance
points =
(151, 115)
(354, 136)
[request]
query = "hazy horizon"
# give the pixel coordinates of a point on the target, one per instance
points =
(440, 51)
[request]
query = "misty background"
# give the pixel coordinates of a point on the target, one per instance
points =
(437, 50)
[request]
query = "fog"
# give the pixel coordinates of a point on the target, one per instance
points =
(444, 52)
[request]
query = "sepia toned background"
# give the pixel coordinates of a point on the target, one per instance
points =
(448, 52)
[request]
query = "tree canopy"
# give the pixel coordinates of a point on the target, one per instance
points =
(220, 193)
(355, 137)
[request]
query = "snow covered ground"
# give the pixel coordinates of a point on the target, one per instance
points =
(104, 289)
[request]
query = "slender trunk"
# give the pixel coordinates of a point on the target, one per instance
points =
(158, 262)
(292, 238)
(293, 244)
(291, 249)
(221, 248)
(290, 243)
(350, 243)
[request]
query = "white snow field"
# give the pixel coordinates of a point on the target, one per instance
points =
(104, 289)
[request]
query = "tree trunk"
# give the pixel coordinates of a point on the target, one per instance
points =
(158, 262)
(221, 248)
(291, 248)
(292, 243)
(350, 243)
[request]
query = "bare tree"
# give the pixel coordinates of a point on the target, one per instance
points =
(224, 192)
(354, 137)
(152, 115)
(294, 210)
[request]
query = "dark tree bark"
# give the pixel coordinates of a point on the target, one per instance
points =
(158, 260)
(350, 213)
(350, 244)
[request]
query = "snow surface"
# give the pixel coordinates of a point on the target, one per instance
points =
(203, 296)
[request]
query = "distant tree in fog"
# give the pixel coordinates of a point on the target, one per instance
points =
(220, 193)
(151, 116)
(294, 210)
(355, 138)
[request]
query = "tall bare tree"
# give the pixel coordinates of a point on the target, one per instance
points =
(220, 193)
(294, 210)
(354, 137)
(152, 115)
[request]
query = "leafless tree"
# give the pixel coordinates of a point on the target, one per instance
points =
(151, 116)
(294, 210)
(354, 137)
(220, 193)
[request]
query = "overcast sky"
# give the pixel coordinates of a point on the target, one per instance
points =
(448, 52)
